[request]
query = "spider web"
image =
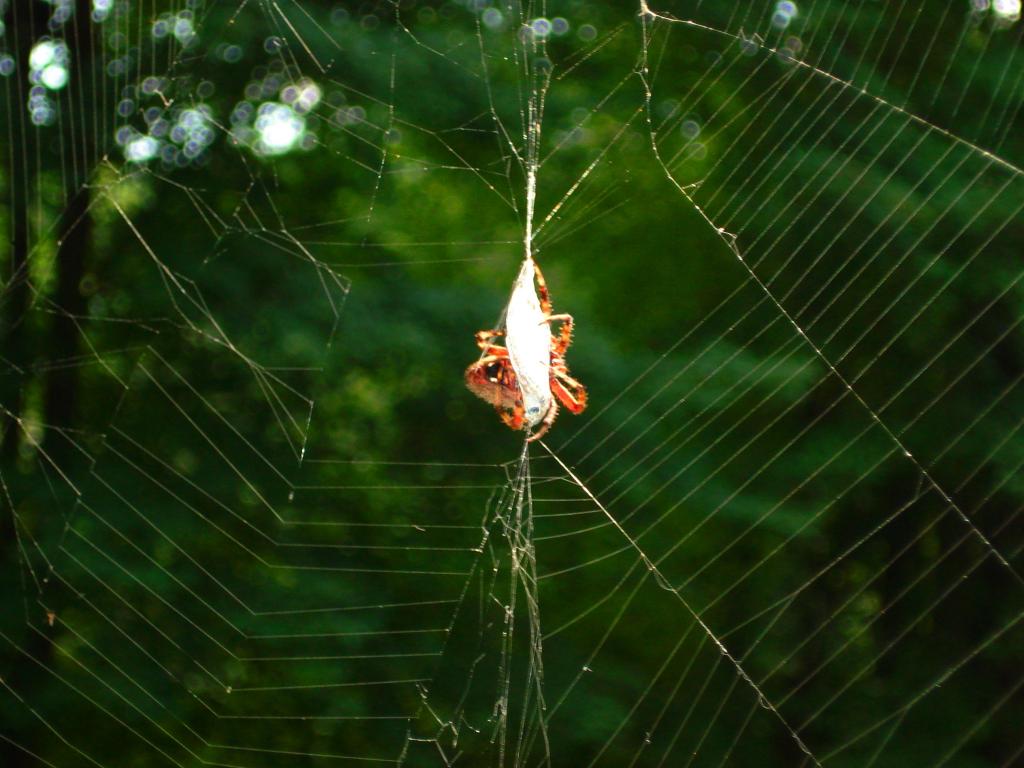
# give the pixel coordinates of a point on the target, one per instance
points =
(278, 532)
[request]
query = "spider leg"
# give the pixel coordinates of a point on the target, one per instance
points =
(565, 333)
(483, 339)
(558, 370)
(570, 392)
(489, 349)
(494, 352)
(514, 418)
(561, 342)
(542, 290)
(545, 425)
(501, 354)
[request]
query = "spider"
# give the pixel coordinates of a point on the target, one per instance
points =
(493, 377)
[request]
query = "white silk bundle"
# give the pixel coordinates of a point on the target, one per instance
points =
(528, 340)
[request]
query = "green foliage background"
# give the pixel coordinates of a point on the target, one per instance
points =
(235, 426)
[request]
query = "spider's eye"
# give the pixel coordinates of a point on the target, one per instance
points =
(492, 370)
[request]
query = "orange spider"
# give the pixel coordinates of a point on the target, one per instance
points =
(492, 377)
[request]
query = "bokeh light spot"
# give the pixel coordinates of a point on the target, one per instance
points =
(279, 128)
